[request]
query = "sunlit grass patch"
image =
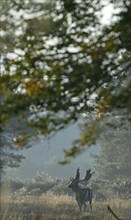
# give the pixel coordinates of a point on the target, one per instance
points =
(58, 207)
(56, 202)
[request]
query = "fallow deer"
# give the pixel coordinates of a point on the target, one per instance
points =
(83, 195)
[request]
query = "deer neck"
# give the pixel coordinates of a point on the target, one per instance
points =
(77, 189)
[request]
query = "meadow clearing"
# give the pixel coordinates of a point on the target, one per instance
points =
(52, 200)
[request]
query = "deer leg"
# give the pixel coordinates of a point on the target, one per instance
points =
(79, 204)
(84, 206)
(90, 202)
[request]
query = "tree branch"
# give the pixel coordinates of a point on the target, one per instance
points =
(112, 212)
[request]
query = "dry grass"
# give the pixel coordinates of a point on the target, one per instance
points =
(58, 207)
(48, 199)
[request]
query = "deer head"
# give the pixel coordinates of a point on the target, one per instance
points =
(76, 180)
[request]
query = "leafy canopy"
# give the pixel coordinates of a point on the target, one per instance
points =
(59, 62)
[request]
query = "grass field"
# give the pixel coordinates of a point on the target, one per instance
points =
(54, 205)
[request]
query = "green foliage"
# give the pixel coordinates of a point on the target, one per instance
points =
(59, 57)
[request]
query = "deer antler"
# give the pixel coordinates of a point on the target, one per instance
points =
(87, 176)
(77, 174)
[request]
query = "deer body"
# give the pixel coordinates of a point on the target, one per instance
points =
(83, 195)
